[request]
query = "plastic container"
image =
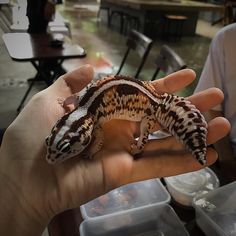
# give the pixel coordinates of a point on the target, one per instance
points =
(183, 188)
(127, 198)
(216, 211)
(155, 221)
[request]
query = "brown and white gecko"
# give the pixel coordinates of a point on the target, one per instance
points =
(123, 97)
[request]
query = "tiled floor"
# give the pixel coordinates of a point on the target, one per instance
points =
(104, 49)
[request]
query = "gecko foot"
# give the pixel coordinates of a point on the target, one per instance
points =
(61, 101)
(134, 149)
(68, 103)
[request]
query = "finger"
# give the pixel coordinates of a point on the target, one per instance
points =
(73, 81)
(168, 165)
(175, 81)
(218, 128)
(79, 78)
(166, 157)
(207, 99)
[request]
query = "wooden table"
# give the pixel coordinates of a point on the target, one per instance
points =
(4, 2)
(36, 48)
(186, 5)
(152, 12)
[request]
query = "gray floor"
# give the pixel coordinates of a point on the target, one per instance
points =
(104, 49)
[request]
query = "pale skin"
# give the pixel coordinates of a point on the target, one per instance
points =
(32, 191)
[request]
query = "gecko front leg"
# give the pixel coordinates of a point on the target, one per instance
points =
(68, 103)
(97, 142)
(72, 101)
(148, 125)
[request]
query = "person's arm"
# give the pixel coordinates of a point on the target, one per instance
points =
(32, 191)
(214, 75)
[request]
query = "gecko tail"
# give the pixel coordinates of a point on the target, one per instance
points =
(185, 122)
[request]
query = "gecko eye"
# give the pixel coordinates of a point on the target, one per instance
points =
(65, 147)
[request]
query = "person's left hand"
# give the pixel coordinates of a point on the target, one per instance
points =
(36, 191)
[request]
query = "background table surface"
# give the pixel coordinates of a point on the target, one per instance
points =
(28, 47)
(166, 5)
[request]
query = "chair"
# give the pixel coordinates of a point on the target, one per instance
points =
(229, 15)
(131, 22)
(168, 61)
(107, 10)
(5, 18)
(139, 43)
(126, 21)
(118, 14)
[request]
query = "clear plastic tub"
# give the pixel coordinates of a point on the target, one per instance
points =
(183, 188)
(155, 221)
(216, 211)
(127, 198)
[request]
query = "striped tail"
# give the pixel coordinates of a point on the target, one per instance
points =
(185, 122)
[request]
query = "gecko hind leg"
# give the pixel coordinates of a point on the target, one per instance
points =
(147, 126)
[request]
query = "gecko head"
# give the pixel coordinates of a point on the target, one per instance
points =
(66, 148)
(68, 141)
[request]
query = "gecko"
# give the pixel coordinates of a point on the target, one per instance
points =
(126, 98)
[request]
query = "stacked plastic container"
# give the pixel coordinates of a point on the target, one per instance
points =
(216, 211)
(135, 209)
(142, 209)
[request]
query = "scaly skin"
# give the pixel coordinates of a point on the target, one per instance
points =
(122, 97)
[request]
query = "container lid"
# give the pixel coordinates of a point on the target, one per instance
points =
(158, 220)
(183, 188)
(128, 197)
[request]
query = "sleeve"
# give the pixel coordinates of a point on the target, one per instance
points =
(213, 71)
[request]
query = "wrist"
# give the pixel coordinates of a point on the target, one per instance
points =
(17, 216)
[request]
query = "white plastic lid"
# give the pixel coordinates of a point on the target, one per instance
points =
(191, 184)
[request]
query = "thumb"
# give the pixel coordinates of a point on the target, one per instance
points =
(73, 81)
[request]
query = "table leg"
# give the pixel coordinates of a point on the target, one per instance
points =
(56, 71)
(44, 77)
(48, 79)
(26, 95)
(31, 81)
(40, 72)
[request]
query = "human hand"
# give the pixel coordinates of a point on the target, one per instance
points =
(35, 191)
